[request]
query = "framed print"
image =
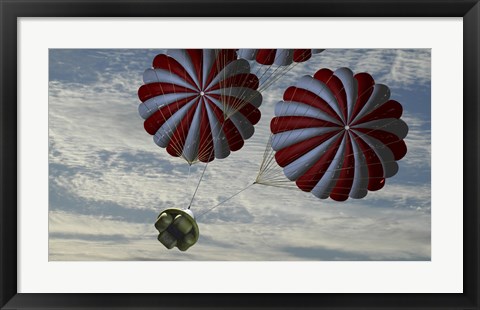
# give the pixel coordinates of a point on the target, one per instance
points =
(218, 154)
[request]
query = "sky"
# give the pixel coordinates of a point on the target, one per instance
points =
(108, 180)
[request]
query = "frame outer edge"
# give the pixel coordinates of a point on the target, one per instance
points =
(471, 140)
(8, 156)
(8, 161)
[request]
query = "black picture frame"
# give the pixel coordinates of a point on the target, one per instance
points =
(10, 10)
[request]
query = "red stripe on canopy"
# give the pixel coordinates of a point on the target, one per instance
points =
(151, 90)
(287, 123)
(376, 179)
(305, 96)
(234, 138)
(291, 153)
(396, 145)
(301, 55)
(365, 90)
(345, 179)
(335, 85)
(167, 63)
(311, 177)
(196, 56)
(177, 142)
(206, 152)
(390, 109)
(157, 119)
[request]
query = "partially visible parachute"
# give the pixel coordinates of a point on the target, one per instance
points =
(199, 104)
(271, 64)
(336, 135)
(279, 57)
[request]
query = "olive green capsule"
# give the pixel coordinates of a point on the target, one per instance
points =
(189, 238)
(182, 224)
(177, 228)
(163, 221)
(167, 239)
(182, 246)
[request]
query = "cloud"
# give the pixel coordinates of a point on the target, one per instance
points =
(418, 142)
(397, 68)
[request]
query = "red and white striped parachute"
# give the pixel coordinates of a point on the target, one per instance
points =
(199, 104)
(270, 65)
(337, 134)
(279, 57)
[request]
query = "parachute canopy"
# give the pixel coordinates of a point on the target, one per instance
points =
(336, 135)
(199, 104)
(270, 65)
(279, 57)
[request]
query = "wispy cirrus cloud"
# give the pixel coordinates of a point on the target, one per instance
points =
(397, 68)
(418, 142)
